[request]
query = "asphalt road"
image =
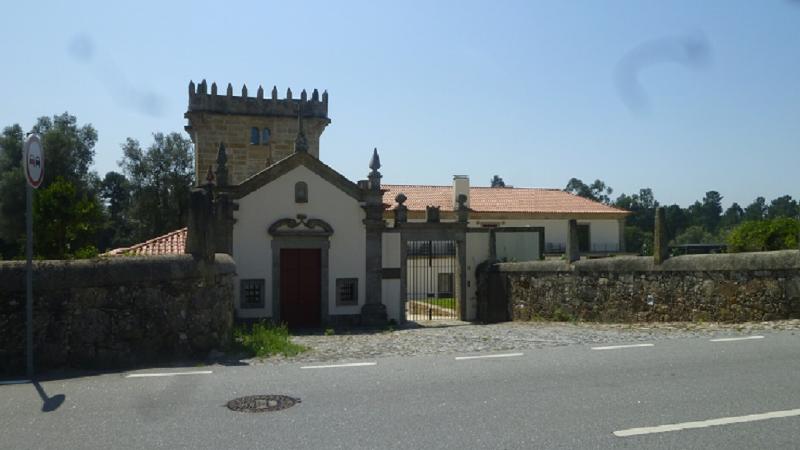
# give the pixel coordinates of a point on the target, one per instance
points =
(568, 397)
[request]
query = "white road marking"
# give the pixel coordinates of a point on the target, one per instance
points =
(614, 347)
(167, 374)
(707, 423)
(331, 366)
(746, 338)
(15, 382)
(503, 355)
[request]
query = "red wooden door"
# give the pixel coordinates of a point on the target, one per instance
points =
(300, 287)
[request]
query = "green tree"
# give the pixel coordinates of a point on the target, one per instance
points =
(497, 182)
(756, 210)
(597, 191)
(774, 234)
(160, 181)
(783, 206)
(65, 222)
(115, 192)
(711, 210)
(732, 217)
(12, 192)
(69, 151)
(695, 234)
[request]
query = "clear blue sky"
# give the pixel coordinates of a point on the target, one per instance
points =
(527, 90)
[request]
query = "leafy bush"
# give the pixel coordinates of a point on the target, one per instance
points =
(764, 235)
(263, 339)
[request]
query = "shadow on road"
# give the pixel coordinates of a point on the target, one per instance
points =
(49, 403)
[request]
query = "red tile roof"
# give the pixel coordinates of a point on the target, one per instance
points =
(172, 243)
(498, 200)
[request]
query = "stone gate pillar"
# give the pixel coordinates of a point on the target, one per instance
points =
(373, 313)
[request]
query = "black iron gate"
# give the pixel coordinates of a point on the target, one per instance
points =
(431, 286)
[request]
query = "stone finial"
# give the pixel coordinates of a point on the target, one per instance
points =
(401, 210)
(274, 92)
(201, 88)
(660, 248)
(374, 176)
(288, 93)
(260, 93)
(244, 91)
(191, 88)
(375, 161)
(222, 168)
(300, 143)
(214, 88)
(315, 96)
(229, 91)
(325, 96)
(303, 95)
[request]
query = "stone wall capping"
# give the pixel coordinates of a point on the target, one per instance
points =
(724, 262)
(97, 272)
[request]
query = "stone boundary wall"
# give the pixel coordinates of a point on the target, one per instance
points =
(734, 287)
(116, 312)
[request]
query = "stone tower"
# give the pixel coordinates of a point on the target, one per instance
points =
(256, 131)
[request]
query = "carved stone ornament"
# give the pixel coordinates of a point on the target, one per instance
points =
(302, 226)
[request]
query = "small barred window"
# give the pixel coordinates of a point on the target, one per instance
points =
(251, 293)
(254, 136)
(346, 291)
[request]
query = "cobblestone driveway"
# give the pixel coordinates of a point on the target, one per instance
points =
(464, 338)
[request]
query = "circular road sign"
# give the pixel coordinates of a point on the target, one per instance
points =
(33, 155)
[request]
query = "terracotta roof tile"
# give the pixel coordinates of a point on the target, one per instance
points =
(498, 200)
(172, 243)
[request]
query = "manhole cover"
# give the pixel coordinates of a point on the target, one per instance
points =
(262, 403)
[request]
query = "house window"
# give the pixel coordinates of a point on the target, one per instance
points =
(584, 238)
(265, 136)
(254, 136)
(346, 291)
(251, 293)
(300, 192)
(445, 285)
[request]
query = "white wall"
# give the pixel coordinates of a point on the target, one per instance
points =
(604, 233)
(517, 245)
(252, 247)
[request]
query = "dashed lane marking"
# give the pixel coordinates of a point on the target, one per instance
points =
(615, 347)
(746, 338)
(333, 366)
(168, 374)
(502, 355)
(706, 423)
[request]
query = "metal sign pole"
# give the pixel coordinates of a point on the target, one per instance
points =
(29, 278)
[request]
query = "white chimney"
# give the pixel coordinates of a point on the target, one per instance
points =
(460, 186)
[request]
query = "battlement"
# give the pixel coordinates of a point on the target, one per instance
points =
(201, 99)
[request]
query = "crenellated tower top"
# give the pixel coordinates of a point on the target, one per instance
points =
(205, 100)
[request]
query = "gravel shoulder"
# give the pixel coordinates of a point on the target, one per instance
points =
(452, 338)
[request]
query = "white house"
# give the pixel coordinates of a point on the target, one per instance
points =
(313, 248)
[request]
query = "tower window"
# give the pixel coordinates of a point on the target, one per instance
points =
(265, 136)
(254, 135)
